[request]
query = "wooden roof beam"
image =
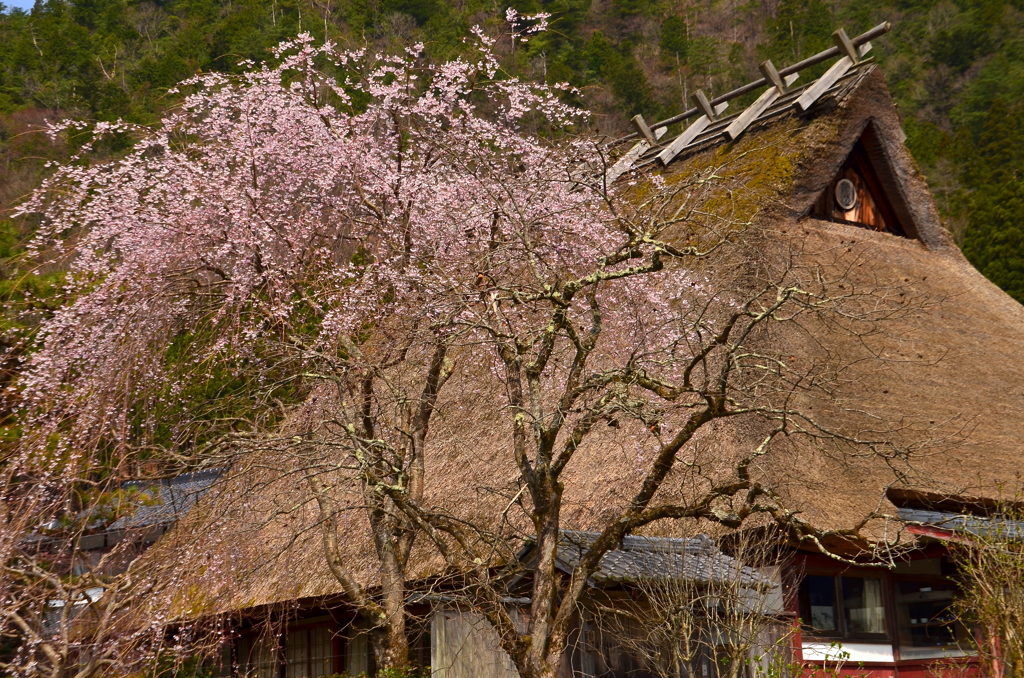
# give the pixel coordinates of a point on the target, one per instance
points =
(825, 82)
(844, 44)
(691, 132)
(861, 40)
(767, 69)
(641, 127)
(626, 161)
(744, 120)
(704, 105)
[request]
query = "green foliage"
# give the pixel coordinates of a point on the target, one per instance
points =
(705, 56)
(948, 63)
(971, 34)
(994, 240)
(620, 69)
(993, 171)
(799, 29)
(926, 140)
(626, 8)
(675, 37)
(405, 672)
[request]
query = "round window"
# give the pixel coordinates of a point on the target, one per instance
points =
(846, 195)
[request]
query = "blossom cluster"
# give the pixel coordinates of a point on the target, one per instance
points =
(300, 205)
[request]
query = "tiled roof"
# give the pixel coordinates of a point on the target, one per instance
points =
(165, 503)
(638, 558)
(1000, 528)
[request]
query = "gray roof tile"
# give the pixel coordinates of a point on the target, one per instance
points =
(638, 558)
(1002, 528)
(165, 503)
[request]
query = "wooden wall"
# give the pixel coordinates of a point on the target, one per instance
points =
(464, 645)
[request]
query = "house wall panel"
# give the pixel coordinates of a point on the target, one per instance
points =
(464, 645)
(849, 652)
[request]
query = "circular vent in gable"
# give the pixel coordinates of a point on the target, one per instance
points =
(846, 194)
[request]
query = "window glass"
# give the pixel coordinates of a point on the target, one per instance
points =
(309, 653)
(863, 605)
(357, 659)
(924, 614)
(295, 647)
(819, 596)
(258, 657)
(321, 651)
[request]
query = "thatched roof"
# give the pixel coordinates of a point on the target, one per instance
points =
(944, 376)
(953, 364)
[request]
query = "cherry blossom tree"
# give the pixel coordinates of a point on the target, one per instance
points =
(644, 334)
(244, 245)
(322, 247)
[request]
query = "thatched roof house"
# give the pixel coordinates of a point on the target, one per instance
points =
(830, 185)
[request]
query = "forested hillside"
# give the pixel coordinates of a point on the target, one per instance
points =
(955, 68)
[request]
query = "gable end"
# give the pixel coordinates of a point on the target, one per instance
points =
(865, 192)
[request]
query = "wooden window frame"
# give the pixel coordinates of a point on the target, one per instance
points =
(841, 633)
(933, 579)
(281, 654)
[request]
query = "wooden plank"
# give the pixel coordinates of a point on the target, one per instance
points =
(825, 82)
(626, 161)
(845, 45)
(691, 132)
(743, 121)
(822, 84)
(818, 58)
(641, 127)
(733, 131)
(703, 104)
(772, 75)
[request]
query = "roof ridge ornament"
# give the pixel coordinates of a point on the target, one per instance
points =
(632, 155)
(844, 43)
(703, 104)
(763, 102)
(641, 126)
(850, 51)
(767, 69)
(825, 82)
(691, 132)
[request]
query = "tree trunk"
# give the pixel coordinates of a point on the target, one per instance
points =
(547, 642)
(391, 645)
(391, 648)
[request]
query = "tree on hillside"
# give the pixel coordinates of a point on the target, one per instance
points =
(993, 239)
(302, 260)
